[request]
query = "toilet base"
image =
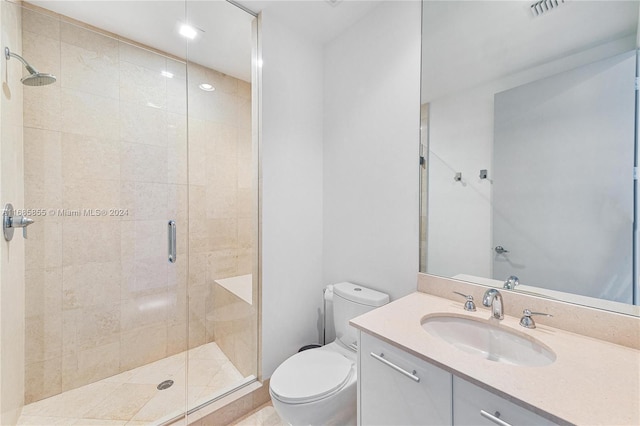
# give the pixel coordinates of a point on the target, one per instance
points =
(337, 410)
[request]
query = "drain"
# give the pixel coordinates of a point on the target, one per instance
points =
(165, 385)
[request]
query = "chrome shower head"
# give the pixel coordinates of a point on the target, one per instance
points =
(38, 79)
(34, 78)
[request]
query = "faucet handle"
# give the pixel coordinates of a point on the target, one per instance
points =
(511, 282)
(469, 305)
(527, 321)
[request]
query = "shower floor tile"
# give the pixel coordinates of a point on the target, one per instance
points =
(131, 398)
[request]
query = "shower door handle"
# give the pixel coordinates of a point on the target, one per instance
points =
(172, 241)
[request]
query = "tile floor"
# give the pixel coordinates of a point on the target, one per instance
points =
(131, 398)
(263, 416)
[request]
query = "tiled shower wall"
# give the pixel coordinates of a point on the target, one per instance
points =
(101, 297)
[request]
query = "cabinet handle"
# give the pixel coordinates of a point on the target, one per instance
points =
(412, 375)
(494, 418)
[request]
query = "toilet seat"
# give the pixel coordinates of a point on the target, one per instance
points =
(311, 375)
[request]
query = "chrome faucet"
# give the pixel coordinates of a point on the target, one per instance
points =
(511, 282)
(492, 298)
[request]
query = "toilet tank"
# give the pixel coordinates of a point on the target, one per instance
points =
(349, 301)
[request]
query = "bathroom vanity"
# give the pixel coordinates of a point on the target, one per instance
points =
(408, 375)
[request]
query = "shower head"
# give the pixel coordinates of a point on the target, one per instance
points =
(34, 78)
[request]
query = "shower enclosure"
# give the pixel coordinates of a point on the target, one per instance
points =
(134, 297)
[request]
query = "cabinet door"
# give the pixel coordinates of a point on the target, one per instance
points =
(389, 397)
(469, 400)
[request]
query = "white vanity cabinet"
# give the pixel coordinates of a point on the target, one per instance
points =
(396, 388)
(474, 406)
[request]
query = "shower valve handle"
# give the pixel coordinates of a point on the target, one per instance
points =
(10, 222)
(21, 222)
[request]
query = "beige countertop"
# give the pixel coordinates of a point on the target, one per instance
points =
(591, 382)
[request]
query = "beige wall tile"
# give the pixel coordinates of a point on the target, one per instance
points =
(41, 24)
(144, 200)
(141, 57)
(198, 140)
(44, 49)
(197, 271)
(150, 239)
(245, 159)
(145, 311)
(44, 107)
(223, 233)
(143, 124)
(244, 261)
(82, 37)
(179, 205)
(88, 114)
(91, 284)
(222, 204)
(86, 157)
(43, 248)
(89, 69)
(43, 291)
(176, 90)
(143, 277)
(142, 346)
(245, 202)
(245, 233)
(90, 365)
(97, 325)
(244, 89)
(244, 113)
(222, 172)
(43, 379)
(144, 163)
(177, 338)
(222, 82)
(43, 170)
(90, 241)
(88, 196)
(177, 148)
(142, 85)
(222, 264)
(43, 337)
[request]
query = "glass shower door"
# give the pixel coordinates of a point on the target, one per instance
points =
(105, 159)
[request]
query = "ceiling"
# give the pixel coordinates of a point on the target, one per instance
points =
(466, 43)
(224, 43)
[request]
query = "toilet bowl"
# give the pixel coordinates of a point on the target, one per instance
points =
(318, 386)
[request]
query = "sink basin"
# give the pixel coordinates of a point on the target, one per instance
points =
(489, 341)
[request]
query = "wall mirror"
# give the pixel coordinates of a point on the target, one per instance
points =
(529, 147)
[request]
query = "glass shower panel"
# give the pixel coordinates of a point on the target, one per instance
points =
(222, 282)
(105, 170)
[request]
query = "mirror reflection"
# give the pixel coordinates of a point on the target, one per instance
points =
(528, 131)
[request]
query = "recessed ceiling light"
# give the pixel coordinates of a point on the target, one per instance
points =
(167, 74)
(188, 31)
(207, 87)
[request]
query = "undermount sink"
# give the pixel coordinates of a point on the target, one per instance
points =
(489, 341)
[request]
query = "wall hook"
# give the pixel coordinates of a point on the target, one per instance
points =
(458, 177)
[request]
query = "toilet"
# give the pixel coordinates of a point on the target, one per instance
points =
(318, 386)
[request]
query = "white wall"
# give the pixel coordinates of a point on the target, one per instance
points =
(12, 259)
(292, 192)
(371, 181)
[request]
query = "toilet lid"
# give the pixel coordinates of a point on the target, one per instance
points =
(310, 375)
